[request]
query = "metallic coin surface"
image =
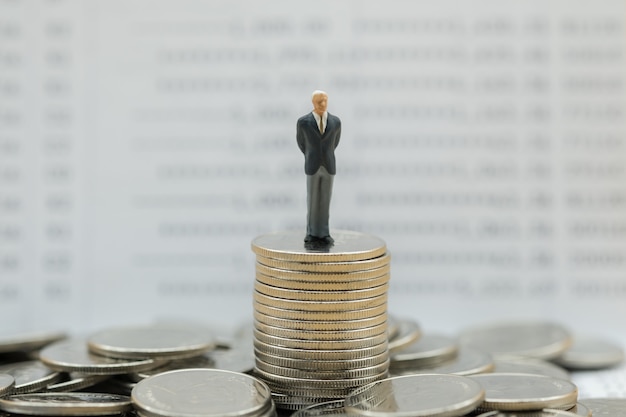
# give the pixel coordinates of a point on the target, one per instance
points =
(320, 345)
(76, 382)
(30, 376)
(313, 383)
(72, 355)
(591, 353)
(430, 349)
(543, 340)
(348, 246)
(291, 314)
(364, 372)
(330, 267)
(66, 404)
(319, 306)
(328, 408)
(24, 342)
(526, 392)
(333, 335)
(201, 393)
(469, 361)
(605, 407)
(323, 295)
(408, 332)
(7, 382)
(417, 396)
(322, 365)
(320, 354)
(581, 410)
(529, 366)
(328, 325)
(356, 278)
(155, 341)
(538, 413)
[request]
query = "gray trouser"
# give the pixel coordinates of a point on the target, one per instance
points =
(319, 187)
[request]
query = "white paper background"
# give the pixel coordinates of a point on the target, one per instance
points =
(144, 144)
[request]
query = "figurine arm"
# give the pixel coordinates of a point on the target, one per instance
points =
(338, 135)
(300, 137)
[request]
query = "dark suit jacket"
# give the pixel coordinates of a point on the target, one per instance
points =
(318, 149)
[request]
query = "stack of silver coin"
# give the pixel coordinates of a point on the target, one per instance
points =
(320, 327)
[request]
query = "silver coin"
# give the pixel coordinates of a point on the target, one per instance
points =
(393, 326)
(7, 383)
(609, 407)
(529, 366)
(201, 393)
(201, 361)
(322, 365)
(25, 342)
(417, 396)
(581, 410)
(408, 332)
(76, 382)
(591, 353)
(430, 349)
(526, 392)
(313, 383)
(320, 354)
(325, 267)
(73, 356)
(328, 408)
(541, 340)
(360, 343)
(363, 372)
(30, 376)
(538, 413)
(156, 341)
(348, 246)
(469, 361)
(238, 359)
(66, 404)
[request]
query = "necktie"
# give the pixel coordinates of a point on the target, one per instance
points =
(321, 125)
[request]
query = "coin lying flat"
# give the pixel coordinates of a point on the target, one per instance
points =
(541, 340)
(529, 366)
(608, 407)
(76, 382)
(417, 396)
(328, 325)
(201, 393)
(7, 382)
(430, 349)
(73, 356)
(526, 392)
(408, 332)
(155, 341)
(591, 353)
(66, 404)
(328, 408)
(348, 246)
(357, 278)
(309, 294)
(30, 376)
(468, 361)
(539, 413)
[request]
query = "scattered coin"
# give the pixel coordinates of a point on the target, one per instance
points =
(76, 382)
(202, 393)
(609, 407)
(541, 340)
(529, 366)
(7, 382)
(526, 392)
(429, 350)
(408, 332)
(155, 341)
(591, 353)
(66, 404)
(538, 413)
(468, 361)
(328, 408)
(72, 355)
(26, 342)
(30, 376)
(432, 395)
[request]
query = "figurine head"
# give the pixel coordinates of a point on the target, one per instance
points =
(320, 101)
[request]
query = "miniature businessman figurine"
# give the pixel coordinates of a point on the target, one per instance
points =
(318, 135)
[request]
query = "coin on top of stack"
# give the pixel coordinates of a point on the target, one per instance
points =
(320, 315)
